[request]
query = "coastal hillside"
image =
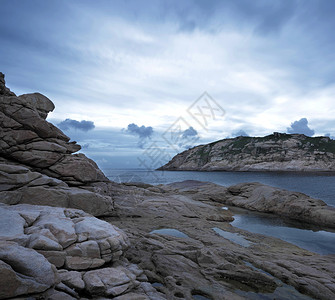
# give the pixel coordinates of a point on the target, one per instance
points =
(275, 152)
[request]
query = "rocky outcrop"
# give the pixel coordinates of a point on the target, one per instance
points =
(19, 184)
(27, 138)
(3, 89)
(37, 164)
(35, 240)
(202, 263)
(276, 152)
(48, 248)
(262, 198)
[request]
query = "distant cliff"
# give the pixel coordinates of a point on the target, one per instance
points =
(275, 152)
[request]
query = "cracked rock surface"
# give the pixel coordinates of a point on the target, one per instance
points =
(88, 253)
(204, 263)
(51, 245)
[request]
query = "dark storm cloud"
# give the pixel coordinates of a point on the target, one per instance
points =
(36, 31)
(74, 124)
(141, 131)
(240, 133)
(190, 132)
(301, 127)
(188, 138)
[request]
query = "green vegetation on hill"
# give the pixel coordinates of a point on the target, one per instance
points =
(245, 144)
(320, 143)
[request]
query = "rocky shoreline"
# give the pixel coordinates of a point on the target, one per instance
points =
(67, 232)
(278, 152)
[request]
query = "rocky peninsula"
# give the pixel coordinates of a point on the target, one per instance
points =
(275, 152)
(67, 232)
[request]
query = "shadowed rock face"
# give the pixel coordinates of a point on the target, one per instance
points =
(27, 138)
(47, 250)
(276, 152)
(37, 164)
(3, 89)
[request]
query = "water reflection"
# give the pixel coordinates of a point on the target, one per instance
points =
(305, 236)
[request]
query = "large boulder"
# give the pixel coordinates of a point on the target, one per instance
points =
(42, 104)
(26, 137)
(19, 184)
(73, 238)
(24, 271)
(37, 164)
(88, 253)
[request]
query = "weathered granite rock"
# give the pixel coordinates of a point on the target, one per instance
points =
(36, 162)
(262, 198)
(20, 185)
(109, 281)
(80, 168)
(26, 137)
(203, 263)
(86, 242)
(42, 104)
(3, 89)
(276, 152)
(71, 240)
(23, 271)
(72, 279)
(37, 168)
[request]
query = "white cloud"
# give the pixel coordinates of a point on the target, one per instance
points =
(118, 65)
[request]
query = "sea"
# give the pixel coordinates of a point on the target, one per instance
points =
(316, 185)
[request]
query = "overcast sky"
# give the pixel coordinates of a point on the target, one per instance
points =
(125, 72)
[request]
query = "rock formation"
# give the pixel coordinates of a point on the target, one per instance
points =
(48, 248)
(52, 247)
(276, 152)
(36, 161)
(56, 250)
(206, 264)
(262, 198)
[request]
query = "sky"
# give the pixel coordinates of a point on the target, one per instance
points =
(135, 82)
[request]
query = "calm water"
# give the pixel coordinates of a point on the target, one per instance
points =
(317, 185)
(310, 238)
